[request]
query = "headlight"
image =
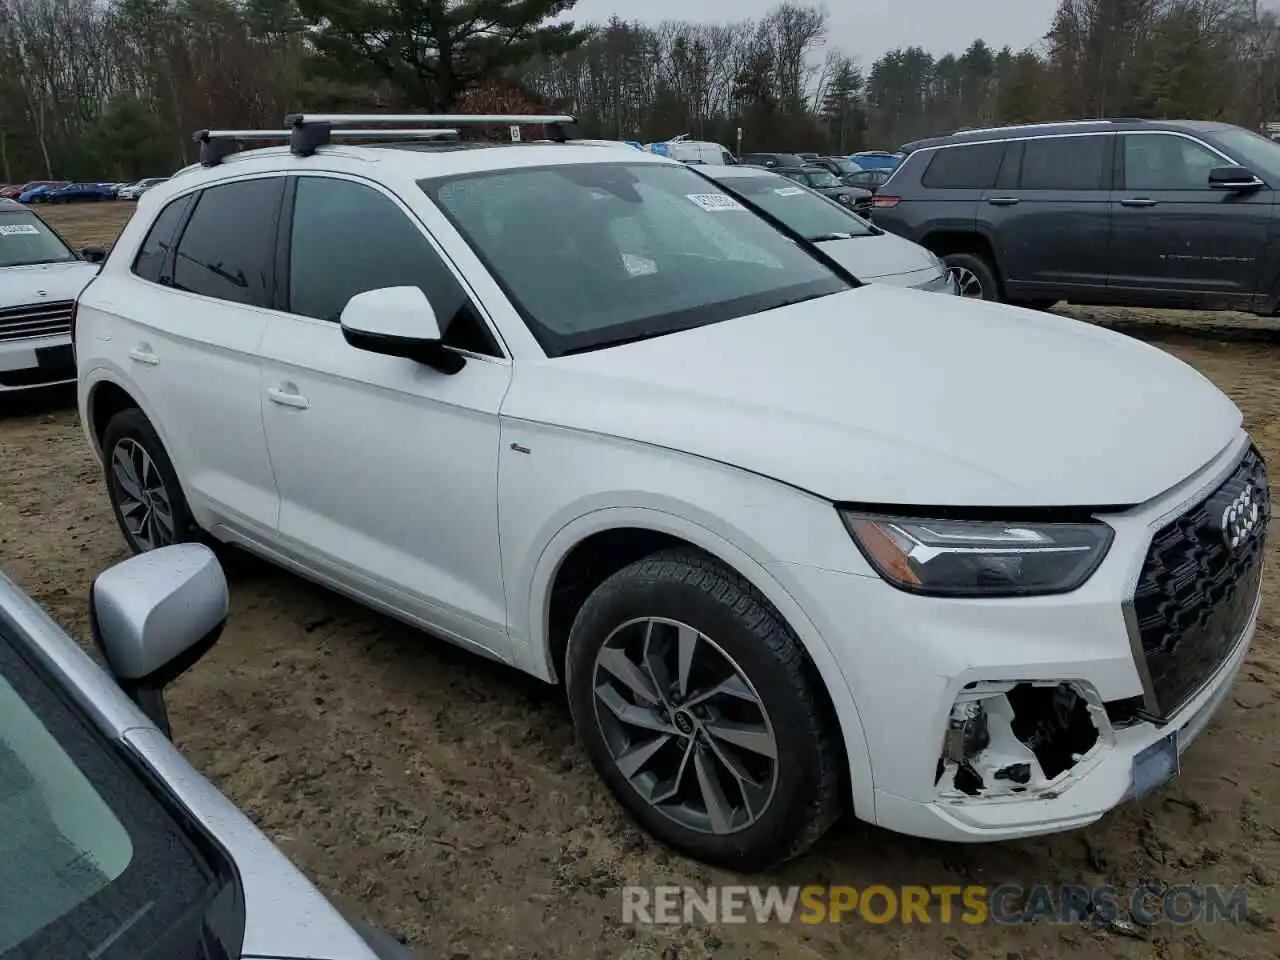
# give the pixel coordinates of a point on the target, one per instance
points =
(968, 558)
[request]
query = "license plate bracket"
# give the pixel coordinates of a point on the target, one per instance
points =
(1155, 766)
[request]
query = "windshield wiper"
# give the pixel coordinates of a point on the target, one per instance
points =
(623, 341)
(823, 237)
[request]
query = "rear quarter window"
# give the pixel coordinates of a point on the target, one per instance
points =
(968, 167)
(152, 261)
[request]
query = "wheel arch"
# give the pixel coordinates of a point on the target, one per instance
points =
(640, 527)
(105, 393)
(946, 241)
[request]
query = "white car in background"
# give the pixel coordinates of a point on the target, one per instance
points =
(40, 278)
(134, 190)
(869, 253)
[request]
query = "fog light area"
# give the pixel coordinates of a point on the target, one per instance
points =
(1017, 738)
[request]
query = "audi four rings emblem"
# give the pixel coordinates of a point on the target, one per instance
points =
(1241, 518)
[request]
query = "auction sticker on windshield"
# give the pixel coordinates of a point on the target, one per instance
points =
(18, 229)
(715, 202)
(789, 191)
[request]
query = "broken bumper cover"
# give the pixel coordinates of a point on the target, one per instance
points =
(912, 662)
(908, 665)
(1101, 781)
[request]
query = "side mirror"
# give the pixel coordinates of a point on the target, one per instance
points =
(398, 322)
(94, 254)
(154, 615)
(1234, 178)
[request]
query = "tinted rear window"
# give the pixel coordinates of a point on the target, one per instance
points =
(1064, 163)
(153, 257)
(971, 167)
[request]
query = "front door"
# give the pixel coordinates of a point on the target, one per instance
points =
(1176, 242)
(387, 468)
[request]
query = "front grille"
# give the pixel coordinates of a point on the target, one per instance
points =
(1197, 590)
(35, 320)
(863, 208)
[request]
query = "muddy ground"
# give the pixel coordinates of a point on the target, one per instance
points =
(446, 798)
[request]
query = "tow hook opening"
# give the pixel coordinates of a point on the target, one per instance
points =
(1017, 738)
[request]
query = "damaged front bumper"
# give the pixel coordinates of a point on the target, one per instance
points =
(1053, 758)
(1002, 718)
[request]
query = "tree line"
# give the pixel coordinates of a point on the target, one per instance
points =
(115, 88)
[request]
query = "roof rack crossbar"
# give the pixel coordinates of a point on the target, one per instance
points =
(559, 125)
(217, 145)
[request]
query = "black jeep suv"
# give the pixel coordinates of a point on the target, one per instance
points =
(1128, 212)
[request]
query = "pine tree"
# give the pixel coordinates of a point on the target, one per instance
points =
(432, 51)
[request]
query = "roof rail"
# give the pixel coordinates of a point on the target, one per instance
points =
(306, 132)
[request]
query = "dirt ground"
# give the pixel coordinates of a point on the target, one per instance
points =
(446, 798)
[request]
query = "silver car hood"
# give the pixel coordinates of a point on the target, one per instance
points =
(880, 258)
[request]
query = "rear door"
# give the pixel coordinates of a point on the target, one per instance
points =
(189, 339)
(1177, 242)
(1048, 216)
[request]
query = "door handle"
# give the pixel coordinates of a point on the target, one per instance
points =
(143, 354)
(288, 398)
(1138, 202)
(1002, 201)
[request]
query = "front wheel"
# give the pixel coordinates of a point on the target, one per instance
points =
(146, 498)
(974, 277)
(696, 706)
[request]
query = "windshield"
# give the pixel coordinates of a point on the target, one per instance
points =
(595, 255)
(91, 866)
(26, 239)
(812, 216)
(822, 179)
(844, 166)
(1250, 149)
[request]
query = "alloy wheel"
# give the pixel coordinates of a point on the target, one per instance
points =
(685, 726)
(967, 282)
(141, 496)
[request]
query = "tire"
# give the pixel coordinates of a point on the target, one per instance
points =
(130, 442)
(975, 274)
(797, 794)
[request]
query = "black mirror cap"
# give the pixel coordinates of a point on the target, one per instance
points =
(1234, 178)
(433, 353)
(94, 254)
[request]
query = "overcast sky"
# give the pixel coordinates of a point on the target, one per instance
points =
(865, 28)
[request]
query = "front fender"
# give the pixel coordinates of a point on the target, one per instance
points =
(770, 582)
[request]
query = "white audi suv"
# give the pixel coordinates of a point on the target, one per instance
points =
(793, 543)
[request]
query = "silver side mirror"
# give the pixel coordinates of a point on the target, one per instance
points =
(154, 615)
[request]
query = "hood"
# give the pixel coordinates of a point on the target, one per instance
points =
(879, 257)
(20, 286)
(884, 395)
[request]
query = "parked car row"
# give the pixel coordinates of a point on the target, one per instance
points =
(793, 543)
(63, 191)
